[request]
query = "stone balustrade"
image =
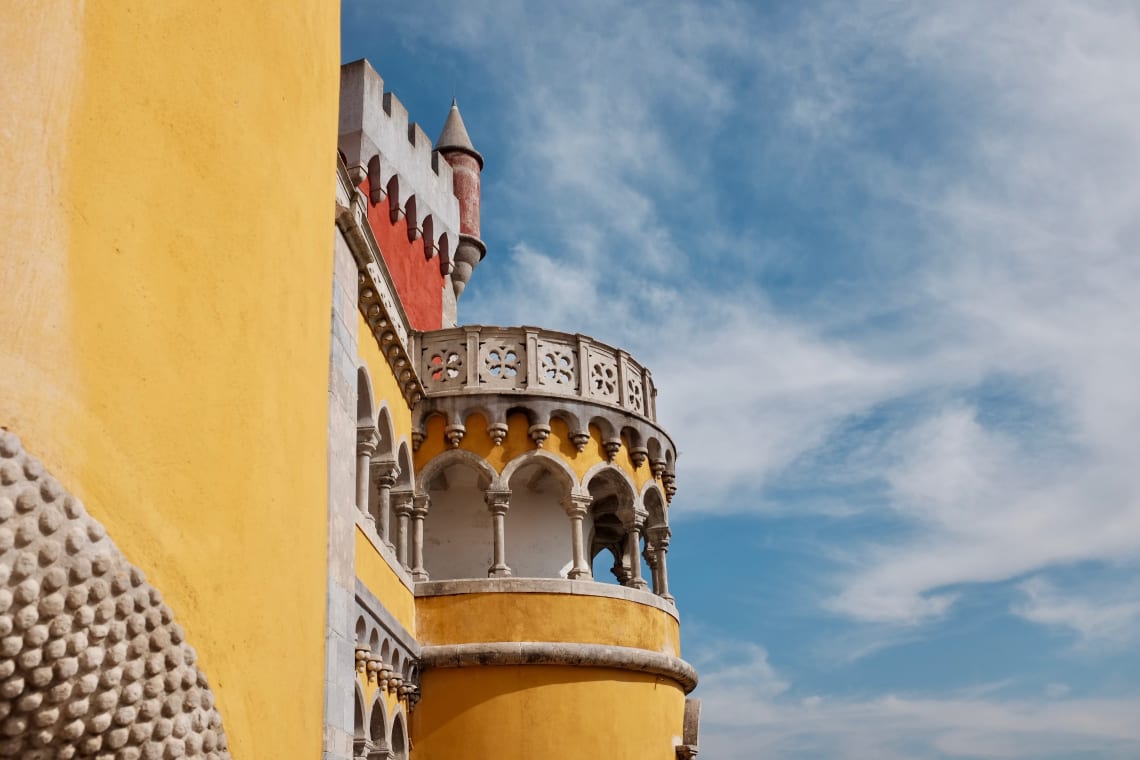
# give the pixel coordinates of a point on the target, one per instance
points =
(476, 359)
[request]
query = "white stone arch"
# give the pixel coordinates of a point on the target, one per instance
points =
(457, 529)
(537, 526)
(556, 464)
(398, 743)
(407, 478)
(378, 725)
(450, 458)
(365, 399)
(615, 503)
(359, 721)
(386, 447)
(652, 500)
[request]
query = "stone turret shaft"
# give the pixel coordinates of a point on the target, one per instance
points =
(466, 164)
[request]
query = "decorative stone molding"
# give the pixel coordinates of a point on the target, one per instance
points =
(91, 660)
(377, 299)
(544, 586)
(478, 359)
(616, 426)
(551, 653)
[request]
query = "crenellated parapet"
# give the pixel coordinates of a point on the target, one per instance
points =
(380, 143)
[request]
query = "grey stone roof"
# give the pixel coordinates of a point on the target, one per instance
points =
(454, 135)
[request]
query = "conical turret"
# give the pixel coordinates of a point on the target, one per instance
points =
(454, 144)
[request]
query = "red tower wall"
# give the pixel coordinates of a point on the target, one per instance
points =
(417, 278)
(465, 172)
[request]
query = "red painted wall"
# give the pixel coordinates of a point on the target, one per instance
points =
(418, 280)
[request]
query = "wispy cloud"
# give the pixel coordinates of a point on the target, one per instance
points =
(750, 711)
(1099, 616)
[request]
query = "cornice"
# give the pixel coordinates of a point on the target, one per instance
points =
(558, 653)
(377, 299)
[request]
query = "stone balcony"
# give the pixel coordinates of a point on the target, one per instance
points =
(495, 371)
(475, 359)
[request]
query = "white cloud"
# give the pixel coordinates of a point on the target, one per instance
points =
(750, 711)
(994, 150)
(1099, 616)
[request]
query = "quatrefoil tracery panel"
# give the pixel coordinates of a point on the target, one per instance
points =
(444, 367)
(502, 363)
(557, 367)
(603, 376)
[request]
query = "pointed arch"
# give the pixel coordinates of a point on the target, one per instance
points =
(399, 743)
(652, 499)
(365, 400)
(386, 447)
(378, 721)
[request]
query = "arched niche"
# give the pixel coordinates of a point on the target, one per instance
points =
(613, 501)
(399, 737)
(457, 529)
(537, 526)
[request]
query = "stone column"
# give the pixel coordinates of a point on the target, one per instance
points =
(384, 475)
(402, 506)
(499, 502)
(577, 507)
(650, 556)
(366, 442)
(419, 512)
(634, 521)
(660, 536)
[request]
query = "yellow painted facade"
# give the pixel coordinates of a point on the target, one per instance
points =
(503, 616)
(168, 227)
(144, 310)
(554, 713)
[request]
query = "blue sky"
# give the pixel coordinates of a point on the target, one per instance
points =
(882, 260)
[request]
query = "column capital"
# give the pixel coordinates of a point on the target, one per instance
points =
(402, 502)
(659, 535)
(384, 472)
(632, 517)
(420, 504)
(578, 504)
(366, 441)
(498, 501)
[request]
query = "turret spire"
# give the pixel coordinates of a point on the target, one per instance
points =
(454, 135)
(454, 144)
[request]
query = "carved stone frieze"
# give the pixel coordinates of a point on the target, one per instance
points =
(92, 663)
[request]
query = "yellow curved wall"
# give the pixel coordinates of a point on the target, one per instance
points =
(548, 712)
(164, 330)
(518, 442)
(503, 616)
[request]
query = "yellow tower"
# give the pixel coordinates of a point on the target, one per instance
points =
(506, 464)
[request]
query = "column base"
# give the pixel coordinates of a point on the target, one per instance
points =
(580, 575)
(420, 576)
(499, 571)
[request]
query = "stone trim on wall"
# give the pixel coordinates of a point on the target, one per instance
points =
(91, 660)
(368, 606)
(378, 301)
(545, 586)
(547, 653)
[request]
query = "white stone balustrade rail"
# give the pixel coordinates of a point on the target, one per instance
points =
(476, 359)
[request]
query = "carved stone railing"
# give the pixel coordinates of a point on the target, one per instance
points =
(477, 359)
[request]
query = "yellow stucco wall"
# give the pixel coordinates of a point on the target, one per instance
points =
(166, 229)
(379, 578)
(517, 442)
(503, 616)
(549, 712)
